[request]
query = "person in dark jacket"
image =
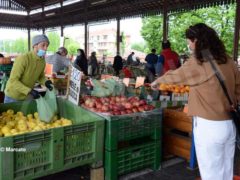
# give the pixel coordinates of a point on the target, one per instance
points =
(93, 63)
(130, 59)
(151, 60)
(81, 61)
(117, 64)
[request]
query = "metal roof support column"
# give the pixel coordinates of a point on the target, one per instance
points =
(29, 31)
(62, 33)
(43, 20)
(118, 35)
(237, 31)
(86, 34)
(86, 29)
(165, 21)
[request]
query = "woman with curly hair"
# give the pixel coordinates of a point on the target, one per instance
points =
(214, 130)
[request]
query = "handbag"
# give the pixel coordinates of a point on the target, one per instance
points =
(235, 111)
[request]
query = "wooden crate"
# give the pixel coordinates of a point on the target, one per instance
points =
(177, 145)
(176, 119)
(177, 133)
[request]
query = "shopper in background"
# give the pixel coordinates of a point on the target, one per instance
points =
(27, 70)
(93, 64)
(117, 64)
(81, 61)
(151, 60)
(130, 59)
(59, 60)
(169, 58)
(127, 72)
(214, 130)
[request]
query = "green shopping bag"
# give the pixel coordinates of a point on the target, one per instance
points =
(47, 106)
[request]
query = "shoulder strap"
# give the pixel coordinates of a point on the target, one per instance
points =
(218, 75)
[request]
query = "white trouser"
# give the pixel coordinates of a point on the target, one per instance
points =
(215, 147)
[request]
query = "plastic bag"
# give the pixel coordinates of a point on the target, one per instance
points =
(47, 106)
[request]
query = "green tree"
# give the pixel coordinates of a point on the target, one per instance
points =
(20, 45)
(152, 31)
(123, 44)
(72, 46)
(54, 39)
(140, 46)
(221, 18)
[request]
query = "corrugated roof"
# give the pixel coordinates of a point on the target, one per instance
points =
(94, 10)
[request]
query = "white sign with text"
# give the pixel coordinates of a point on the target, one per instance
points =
(74, 85)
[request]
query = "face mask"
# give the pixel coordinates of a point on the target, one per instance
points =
(189, 49)
(41, 53)
(78, 54)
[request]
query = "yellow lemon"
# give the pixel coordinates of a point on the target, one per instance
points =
(36, 115)
(10, 111)
(6, 129)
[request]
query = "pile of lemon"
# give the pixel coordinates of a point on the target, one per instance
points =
(14, 124)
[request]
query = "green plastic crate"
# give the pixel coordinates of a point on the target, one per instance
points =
(133, 158)
(133, 126)
(6, 68)
(53, 150)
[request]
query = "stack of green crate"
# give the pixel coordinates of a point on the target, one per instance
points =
(53, 150)
(132, 142)
(6, 68)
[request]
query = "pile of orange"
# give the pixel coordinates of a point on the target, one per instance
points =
(174, 88)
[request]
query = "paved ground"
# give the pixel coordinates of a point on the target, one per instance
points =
(170, 171)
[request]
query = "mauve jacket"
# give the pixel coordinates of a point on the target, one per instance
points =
(206, 97)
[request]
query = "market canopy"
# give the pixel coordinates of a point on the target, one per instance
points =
(53, 13)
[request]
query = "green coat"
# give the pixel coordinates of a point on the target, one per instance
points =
(27, 70)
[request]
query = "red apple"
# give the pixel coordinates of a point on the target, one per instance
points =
(129, 111)
(136, 104)
(141, 109)
(91, 104)
(135, 110)
(98, 105)
(105, 108)
(122, 112)
(123, 99)
(142, 102)
(128, 106)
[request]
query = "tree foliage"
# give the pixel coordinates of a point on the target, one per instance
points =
(123, 43)
(140, 46)
(54, 39)
(20, 45)
(221, 18)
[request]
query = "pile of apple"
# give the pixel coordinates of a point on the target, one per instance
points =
(116, 105)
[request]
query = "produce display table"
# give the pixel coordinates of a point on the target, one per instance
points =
(53, 150)
(132, 142)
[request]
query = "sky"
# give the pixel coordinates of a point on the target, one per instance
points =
(129, 26)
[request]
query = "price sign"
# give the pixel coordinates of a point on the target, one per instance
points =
(48, 69)
(74, 85)
(139, 82)
(126, 81)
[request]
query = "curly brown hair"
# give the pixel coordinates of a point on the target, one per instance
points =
(207, 39)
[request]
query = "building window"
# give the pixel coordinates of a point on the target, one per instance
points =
(105, 37)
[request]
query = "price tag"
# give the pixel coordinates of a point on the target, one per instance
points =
(139, 82)
(126, 81)
(48, 69)
(74, 85)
